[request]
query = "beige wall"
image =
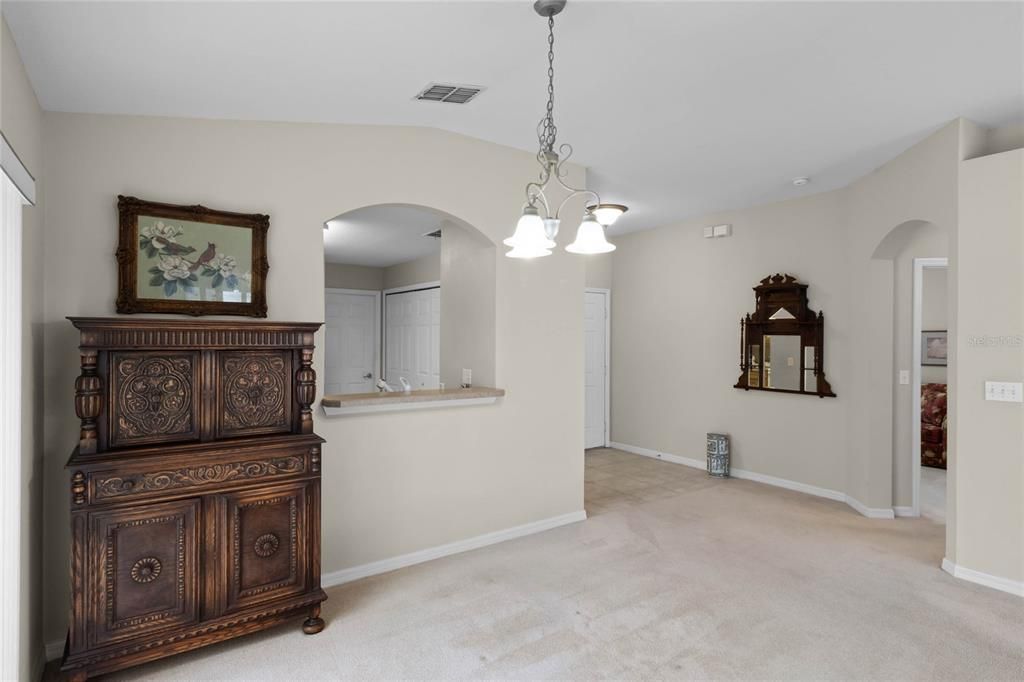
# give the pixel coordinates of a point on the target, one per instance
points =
(467, 305)
(394, 483)
(337, 276)
(419, 271)
(879, 211)
(21, 123)
(989, 469)
(599, 269)
(676, 307)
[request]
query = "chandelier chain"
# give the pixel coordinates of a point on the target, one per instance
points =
(547, 132)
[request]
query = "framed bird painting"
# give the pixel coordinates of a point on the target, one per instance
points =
(190, 260)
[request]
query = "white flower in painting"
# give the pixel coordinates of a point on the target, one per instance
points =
(161, 233)
(174, 267)
(224, 264)
(246, 277)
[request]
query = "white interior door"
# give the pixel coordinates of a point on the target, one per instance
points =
(351, 328)
(595, 350)
(412, 332)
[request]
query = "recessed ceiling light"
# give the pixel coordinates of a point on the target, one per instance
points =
(801, 181)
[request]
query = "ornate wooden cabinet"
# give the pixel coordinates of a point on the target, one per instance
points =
(195, 487)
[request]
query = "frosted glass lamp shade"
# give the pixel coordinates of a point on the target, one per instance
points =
(529, 235)
(590, 238)
(607, 214)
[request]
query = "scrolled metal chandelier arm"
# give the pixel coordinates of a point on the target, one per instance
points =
(552, 162)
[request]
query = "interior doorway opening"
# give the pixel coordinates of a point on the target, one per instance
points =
(929, 385)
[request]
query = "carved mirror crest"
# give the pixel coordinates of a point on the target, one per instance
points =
(782, 343)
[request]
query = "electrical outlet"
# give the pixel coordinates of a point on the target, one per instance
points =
(467, 377)
(904, 376)
(1004, 391)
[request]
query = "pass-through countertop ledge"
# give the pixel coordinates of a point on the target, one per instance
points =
(362, 403)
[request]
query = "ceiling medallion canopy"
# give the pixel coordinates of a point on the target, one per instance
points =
(538, 226)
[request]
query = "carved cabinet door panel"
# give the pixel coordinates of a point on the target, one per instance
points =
(154, 397)
(267, 552)
(254, 393)
(145, 566)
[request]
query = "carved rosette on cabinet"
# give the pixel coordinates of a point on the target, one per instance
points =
(195, 487)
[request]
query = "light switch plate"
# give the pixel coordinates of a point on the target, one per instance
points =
(1004, 391)
(467, 376)
(904, 376)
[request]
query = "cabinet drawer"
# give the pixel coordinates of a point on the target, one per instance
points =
(145, 565)
(267, 549)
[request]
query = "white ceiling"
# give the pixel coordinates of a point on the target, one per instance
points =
(380, 236)
(678, 108)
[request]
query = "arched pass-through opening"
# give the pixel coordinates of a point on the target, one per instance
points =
(918, 249)
(410, 294)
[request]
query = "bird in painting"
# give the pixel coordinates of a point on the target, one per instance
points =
(206, 256)
(172, 248)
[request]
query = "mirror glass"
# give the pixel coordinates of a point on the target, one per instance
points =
(809, 382)
(782, 362)
(754, 377)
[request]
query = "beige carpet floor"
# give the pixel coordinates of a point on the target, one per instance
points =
(674, 576)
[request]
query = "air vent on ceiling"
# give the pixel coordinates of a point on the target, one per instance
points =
(453, 94)
(436, 234)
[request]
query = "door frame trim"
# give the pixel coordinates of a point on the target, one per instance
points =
(607, 362)
(378, 327)
(915, 376)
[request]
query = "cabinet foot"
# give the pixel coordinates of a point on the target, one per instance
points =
(314, 623)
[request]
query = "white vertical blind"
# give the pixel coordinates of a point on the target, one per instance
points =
(11, 201)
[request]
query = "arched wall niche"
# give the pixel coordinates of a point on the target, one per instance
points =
(900, 247)
(468, 279)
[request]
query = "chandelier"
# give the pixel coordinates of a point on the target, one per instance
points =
(538, 226)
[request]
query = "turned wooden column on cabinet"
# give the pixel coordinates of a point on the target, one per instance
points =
(195, 487)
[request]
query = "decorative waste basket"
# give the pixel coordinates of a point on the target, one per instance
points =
(718, 455)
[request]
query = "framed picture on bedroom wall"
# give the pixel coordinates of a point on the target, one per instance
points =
(190, 260)
(933, 347)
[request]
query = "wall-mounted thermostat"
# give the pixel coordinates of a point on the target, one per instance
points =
(713, 231)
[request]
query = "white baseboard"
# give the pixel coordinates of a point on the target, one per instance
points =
(904, 511)
(675, 459)
(870, 512)
(1014, 587)
(346, 575)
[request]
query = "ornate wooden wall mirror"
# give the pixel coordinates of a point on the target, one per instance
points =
(782, 344)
